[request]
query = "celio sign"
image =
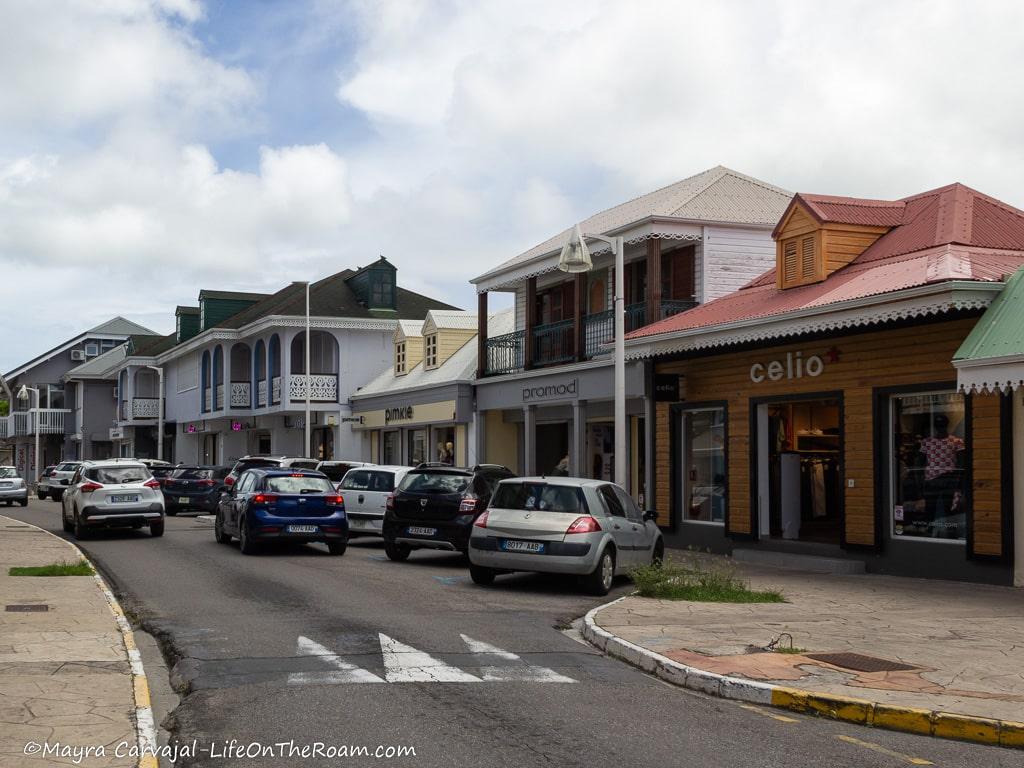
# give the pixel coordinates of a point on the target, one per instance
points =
(795, 366)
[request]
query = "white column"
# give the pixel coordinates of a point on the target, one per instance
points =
(529, 440)
(227, 376)
(578, 439)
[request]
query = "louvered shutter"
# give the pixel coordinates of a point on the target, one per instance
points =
(807, 270)
(789, 263)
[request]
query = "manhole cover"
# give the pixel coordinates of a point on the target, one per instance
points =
(26, 608)
(860, 662)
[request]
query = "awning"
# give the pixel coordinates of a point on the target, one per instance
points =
(991, 358)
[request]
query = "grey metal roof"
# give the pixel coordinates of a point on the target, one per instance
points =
(98, 366)
(119, 325)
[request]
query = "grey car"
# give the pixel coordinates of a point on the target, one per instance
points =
(12, 487)
(589, 528)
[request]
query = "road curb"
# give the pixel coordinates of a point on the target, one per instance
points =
(145, 728)
(926, 722)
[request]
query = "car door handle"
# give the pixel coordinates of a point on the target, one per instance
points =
(618, 527)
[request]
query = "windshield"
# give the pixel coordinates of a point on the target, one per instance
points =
(118, 475)
(193, 473)
(539, 497)
(300, 484)
(8, 472)
(368, 480)
(434, 482)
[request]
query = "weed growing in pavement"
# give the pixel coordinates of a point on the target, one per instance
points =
(789, 649)
(691, 578)
(63, 568)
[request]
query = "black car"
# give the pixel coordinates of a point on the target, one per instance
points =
(435, 505)
(274, 504)
(193, 488)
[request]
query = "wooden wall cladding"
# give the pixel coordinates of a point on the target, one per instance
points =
(854, 365)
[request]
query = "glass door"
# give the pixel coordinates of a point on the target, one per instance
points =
(703, 465)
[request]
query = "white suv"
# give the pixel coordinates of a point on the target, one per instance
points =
(117, 493)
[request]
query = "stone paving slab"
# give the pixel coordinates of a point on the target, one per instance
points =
(64, 673)
(965, 641)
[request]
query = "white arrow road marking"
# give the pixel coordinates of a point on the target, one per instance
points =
(521, 672)
(343, 671)
(404, 664)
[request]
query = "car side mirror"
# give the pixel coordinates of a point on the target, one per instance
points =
(652, 515)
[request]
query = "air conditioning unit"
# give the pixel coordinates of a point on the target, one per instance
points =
(77, 354)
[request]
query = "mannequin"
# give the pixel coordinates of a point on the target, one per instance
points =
(943, 456)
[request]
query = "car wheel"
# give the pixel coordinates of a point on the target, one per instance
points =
(599, 581)
(397, 552)
(337, 547)
(482, 576)
(156, 528)
(56, 496)
(81, 532)
(23, 502)
(245, 543)
(40, 495)
(658, 556)
(68, 527)
(218, 531)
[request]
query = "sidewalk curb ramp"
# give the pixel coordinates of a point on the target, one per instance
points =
(145, 728)
(926, 722)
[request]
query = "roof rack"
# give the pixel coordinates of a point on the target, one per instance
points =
(491, 466)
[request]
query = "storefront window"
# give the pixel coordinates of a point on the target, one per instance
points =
(391, 453)
(704, 470)
(602, 451)
(444, 445)
(929, 473)
(417, 446)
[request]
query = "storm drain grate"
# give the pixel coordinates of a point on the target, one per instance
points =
(27, 608)
(860, 662)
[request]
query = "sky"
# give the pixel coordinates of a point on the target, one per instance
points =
(151, 148)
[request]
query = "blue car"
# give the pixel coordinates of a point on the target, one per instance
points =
(274, 504)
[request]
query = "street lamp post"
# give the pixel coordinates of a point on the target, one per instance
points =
(23, 395)
(160, 412)
(575, 257)
(309, 380)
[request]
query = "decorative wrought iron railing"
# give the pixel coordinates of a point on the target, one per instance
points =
(208, 401)
(672, 307)
(145, 407)
(554, 343)
(261, 393)
(275, 390)
(323, 387)
(241, 396)
(505, 353)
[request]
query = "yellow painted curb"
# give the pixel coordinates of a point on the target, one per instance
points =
(979, 729)
(1011, 734)
(902, 719)
(141, 686)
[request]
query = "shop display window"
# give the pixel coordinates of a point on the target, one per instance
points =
(417, 446)
(444, 445)
(391, 452)
(704, 470)
(929, 472)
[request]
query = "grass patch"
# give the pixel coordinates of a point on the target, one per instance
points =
(63, 568)
(700, 581)
(787, 649)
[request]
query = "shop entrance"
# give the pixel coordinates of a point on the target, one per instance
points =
(209, 449)
(553, 449)
(800, 470)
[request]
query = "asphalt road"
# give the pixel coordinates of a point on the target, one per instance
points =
(298, 646)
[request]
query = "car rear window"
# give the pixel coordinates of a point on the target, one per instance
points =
(8, 472)
(335, 472)
(539, 497)
(434, 482)
(245, 464)
(67, 467)
(193, 473)
(368, 480)
(302, 464)
(118, 475)
(299, 484)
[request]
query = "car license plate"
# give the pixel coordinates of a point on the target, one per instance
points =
(124, 499)
(183, 500)
(415, 530)
(522, 546)
(302, 529)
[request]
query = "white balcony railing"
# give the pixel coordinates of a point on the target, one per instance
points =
(275, 390)
(323, 387)
(6, 426)
(145, 407)
(240, 394)
(50, 420)
(208, 400)
(261, 394)
(220, 398)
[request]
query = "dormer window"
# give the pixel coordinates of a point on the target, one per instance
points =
(400, 358)
(800, 262)
(382, 289)
(430, 350)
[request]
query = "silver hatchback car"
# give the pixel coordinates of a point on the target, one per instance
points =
(590, 528)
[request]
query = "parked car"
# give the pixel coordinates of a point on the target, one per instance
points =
(590, 528)
(435, 505)
(116, 493)
(162, 471)
(196, 488)
(274, 504)
(60, 478)
(336, 470)
(12, 487)
(248, 462)
(43, 482)
(366, 490)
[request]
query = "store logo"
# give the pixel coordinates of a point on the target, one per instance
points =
(550, 391)
(397, 414)
(795, 366)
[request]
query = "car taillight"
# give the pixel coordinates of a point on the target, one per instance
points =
(264, 498)
(207, 483)
(90, 487)
(468, 504)
(584, 525)
(229, 481)
(389, 502)
(481, 522)
(152, 483)
(335, 501)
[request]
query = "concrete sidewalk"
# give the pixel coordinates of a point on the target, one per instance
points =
(963, 645)
(65, 674)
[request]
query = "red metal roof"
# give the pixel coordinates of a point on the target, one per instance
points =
(950, 233)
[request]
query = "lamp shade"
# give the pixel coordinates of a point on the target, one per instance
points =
(575, 256)
(23, 393)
